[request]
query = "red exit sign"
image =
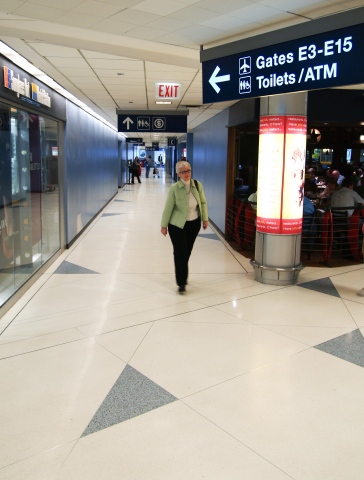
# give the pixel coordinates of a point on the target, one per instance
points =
(167, 90)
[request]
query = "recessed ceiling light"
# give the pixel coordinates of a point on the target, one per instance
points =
(163, 103)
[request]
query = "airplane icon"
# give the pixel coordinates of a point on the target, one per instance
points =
(244, 65)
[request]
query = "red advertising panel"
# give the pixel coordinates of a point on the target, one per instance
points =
(294, 174)
(282, 143)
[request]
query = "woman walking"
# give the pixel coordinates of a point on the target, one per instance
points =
(184, 210)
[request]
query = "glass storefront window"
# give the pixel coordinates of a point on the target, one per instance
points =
(29, 196)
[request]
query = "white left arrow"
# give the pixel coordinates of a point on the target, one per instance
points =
(214, 79)
(128, 121)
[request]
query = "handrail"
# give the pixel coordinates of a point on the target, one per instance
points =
(319, 235)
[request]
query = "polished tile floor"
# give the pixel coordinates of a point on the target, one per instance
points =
(108, 373)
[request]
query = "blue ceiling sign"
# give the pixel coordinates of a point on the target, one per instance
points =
(152, 121)
(325, 60)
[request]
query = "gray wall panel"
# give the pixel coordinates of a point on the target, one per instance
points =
(91, 168)
(210, 141)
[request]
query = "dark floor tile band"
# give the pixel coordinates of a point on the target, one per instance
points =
(324, 285)
(349, 347)
(209, 236)
(111, 214)
(70, 268)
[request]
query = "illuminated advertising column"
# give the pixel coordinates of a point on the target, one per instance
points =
(270, 175)
(282, 153)
(282, 145)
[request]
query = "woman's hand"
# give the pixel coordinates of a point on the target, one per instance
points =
(205, 225)
(164, 231)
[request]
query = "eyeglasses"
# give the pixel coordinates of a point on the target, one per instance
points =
(184, 172)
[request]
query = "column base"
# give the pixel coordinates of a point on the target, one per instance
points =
(276, 275)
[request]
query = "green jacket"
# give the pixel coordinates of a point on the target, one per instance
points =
(176, 207)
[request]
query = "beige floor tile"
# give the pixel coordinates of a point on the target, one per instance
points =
(49, 396)
(185, 357)
(293, 306)
(309, 274)
(310, 336)
(13, 348)
(356, 310)
(43, 466)
(207, 315)
(147, 315)
(302, 414)
(171, 442)
(348, 284)
(232, 296)
(124, 343)
(95, 321)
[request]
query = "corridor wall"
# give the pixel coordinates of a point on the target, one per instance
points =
(91, 164)
(210, 141)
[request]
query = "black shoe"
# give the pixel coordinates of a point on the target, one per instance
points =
(181, 289)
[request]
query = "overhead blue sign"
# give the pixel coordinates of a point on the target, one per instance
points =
(152, 123)
(325, 60)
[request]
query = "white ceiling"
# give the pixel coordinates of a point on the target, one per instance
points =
(110, 53)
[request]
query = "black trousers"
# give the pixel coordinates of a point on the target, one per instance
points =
(134, 174)
(183, 240)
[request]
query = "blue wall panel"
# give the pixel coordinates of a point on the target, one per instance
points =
(91, 168)
(210, 142)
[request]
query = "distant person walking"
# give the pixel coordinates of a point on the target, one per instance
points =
(148, 164)
(136, 170)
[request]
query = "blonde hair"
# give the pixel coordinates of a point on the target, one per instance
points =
(182, 165)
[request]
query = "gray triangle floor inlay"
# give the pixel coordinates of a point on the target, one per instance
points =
(349, 347)
(324, 285)
(121, 200)
(209, 236)
(70, 268)
(132, 394)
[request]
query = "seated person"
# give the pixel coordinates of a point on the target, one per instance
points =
(339, 178)
(346, 196)
(356, 177)
(325, 196)
(310, 189)
(308, 206)
(311, 175)
(240, 189)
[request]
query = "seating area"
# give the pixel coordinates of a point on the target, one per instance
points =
(329, 236)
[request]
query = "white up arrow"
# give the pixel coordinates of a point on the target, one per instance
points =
(214, 79)
(128, 121)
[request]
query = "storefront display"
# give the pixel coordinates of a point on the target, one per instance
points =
(29, 196)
